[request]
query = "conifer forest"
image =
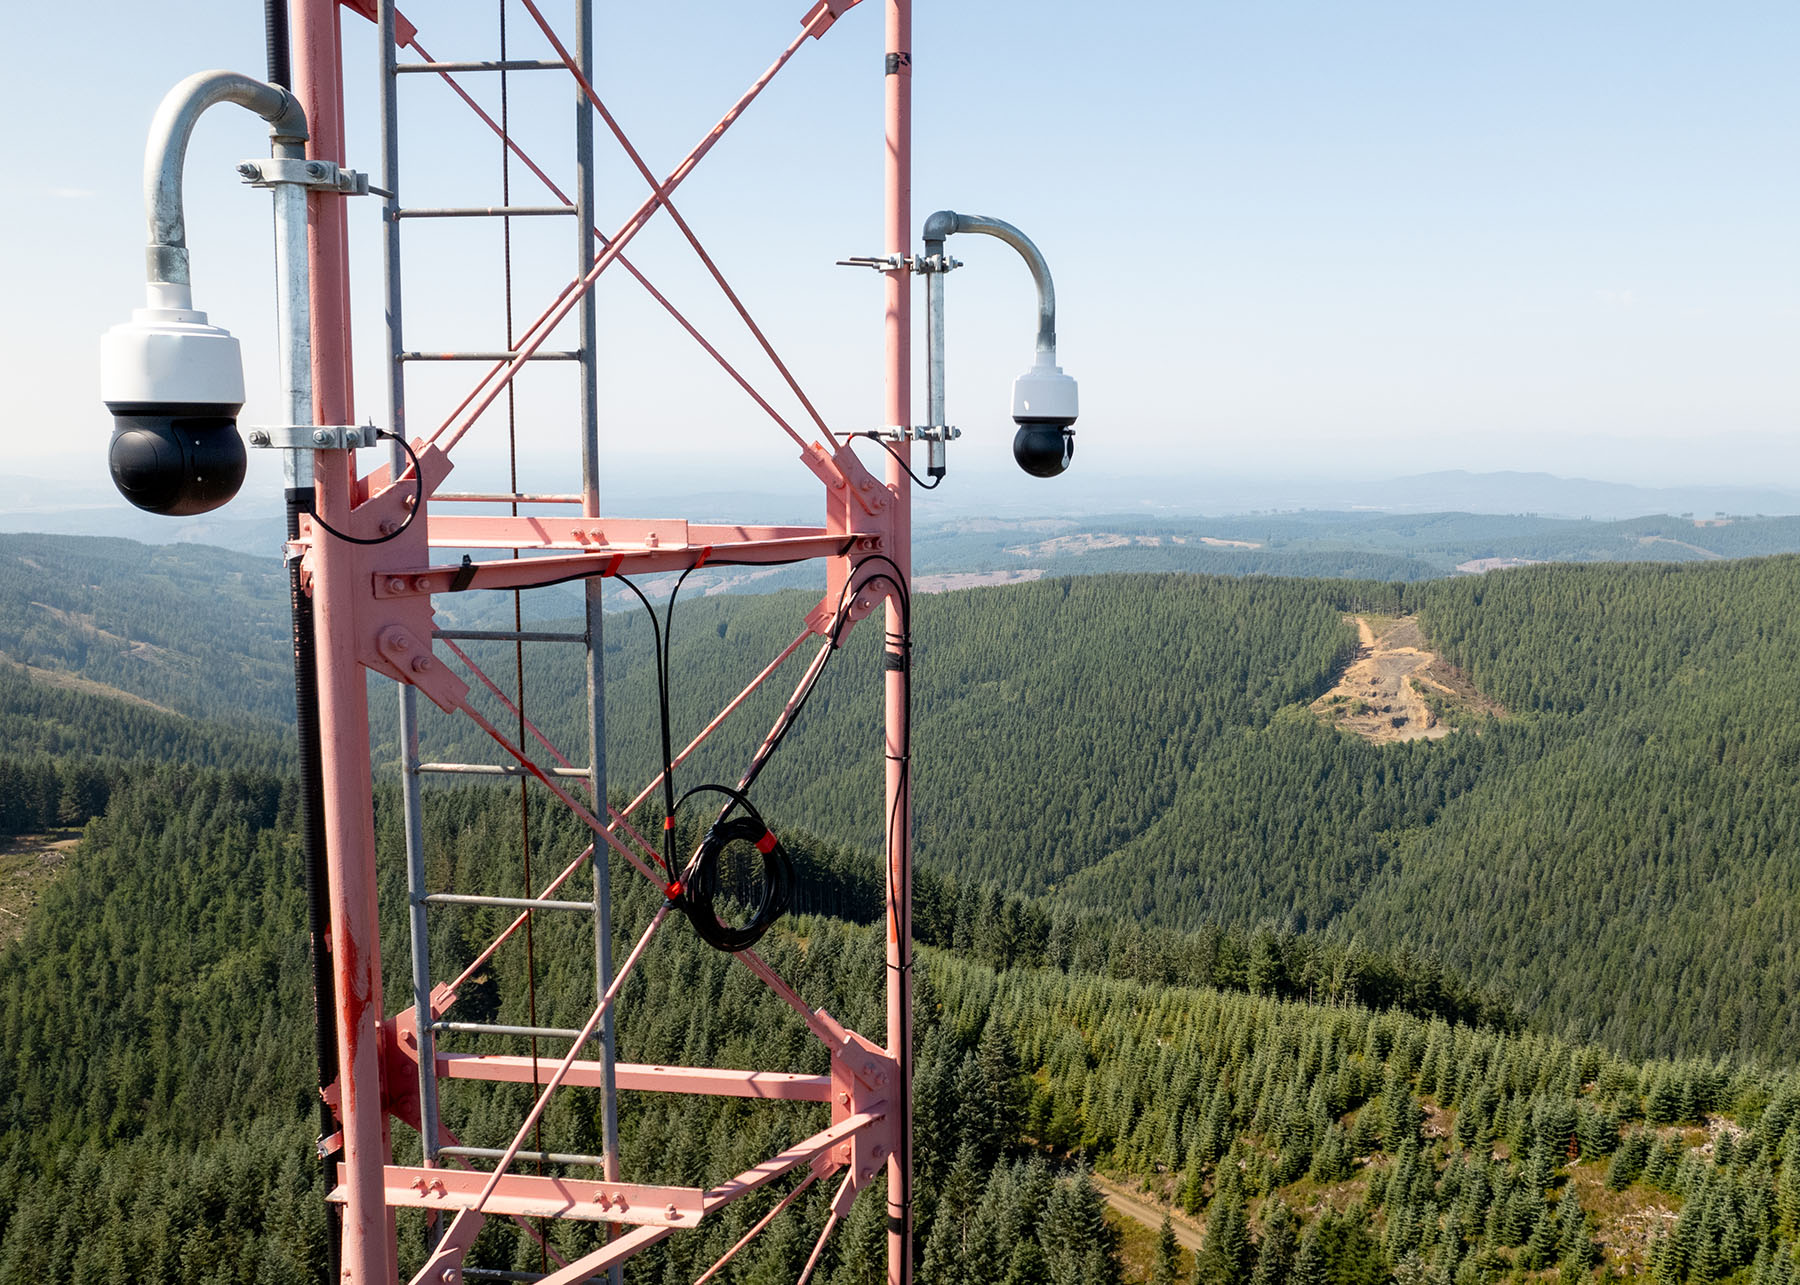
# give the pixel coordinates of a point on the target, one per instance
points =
(1511, 1003)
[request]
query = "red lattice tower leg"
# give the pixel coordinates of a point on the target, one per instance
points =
(373, 604)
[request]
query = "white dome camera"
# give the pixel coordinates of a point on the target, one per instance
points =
(174, 385)
(1045, 404)
(1044, 400)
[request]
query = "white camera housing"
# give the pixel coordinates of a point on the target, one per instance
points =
(1044, 395)
(1045, 403)
(167, 354)
(174, 385)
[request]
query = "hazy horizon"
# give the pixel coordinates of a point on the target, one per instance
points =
(1290, 245)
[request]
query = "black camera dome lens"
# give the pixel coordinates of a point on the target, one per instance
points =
(1043, 450)
(146, 467)
(175, 460)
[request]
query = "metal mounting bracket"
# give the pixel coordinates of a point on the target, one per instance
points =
(324, 176)
(923, 433)
(313, 437)
(879, 262)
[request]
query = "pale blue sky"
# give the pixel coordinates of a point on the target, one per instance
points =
(1288, 238)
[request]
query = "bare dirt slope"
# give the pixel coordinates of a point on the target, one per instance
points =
(954, 580)
(1382, 695)
(27, 863)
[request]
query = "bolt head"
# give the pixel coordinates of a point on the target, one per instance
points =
(396, 584)
(258, 437)
(314, 169)
(250, 170)
(388, 526)
(673, 1212)
(421, 664)
(321, 436)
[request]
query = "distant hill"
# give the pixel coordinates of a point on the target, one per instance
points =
(1571, 497)
(89, 506)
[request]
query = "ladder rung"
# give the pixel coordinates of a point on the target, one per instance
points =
(517, 903)
(506, 64)
(498, 769)
(505, 497)
(541, 1157)
(482, 211)
(488, 1028)
(507, 635)
(493, 354)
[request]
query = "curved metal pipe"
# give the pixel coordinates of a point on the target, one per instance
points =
(946, 223)
(166, 257)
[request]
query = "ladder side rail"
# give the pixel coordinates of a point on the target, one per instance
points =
(589, 409)
(410, 779)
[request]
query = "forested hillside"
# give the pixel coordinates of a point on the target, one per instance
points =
(200, 631)
(1613, 854)
(164, 1134)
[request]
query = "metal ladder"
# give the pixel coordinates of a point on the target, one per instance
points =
(421, 899)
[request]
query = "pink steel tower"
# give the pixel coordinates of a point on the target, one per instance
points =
(372, 602)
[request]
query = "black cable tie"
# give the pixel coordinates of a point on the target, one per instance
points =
(464, 574)
(893, 662)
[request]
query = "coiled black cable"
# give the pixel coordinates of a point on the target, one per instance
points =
(701, 882)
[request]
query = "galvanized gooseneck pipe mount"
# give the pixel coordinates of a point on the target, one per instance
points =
(166, 256)
(947, 223)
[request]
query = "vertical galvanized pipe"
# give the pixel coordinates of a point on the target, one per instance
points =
(896, 807)
(293, 328)
(409, 697)
(936, 416)
(343, 708)
(596, 654)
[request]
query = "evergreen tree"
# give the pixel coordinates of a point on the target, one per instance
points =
(1280, 1243)
(1165, 1267)
(1193, 1185)
(946, 1257)
(1228, 1254)
(1310, 1264)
